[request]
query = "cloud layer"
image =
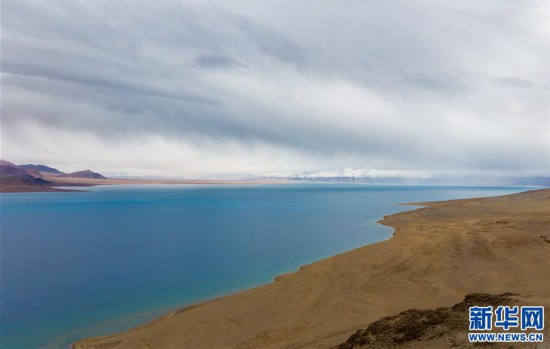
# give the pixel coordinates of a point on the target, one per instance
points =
(218, 89)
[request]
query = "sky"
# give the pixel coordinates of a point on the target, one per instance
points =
(277, 88)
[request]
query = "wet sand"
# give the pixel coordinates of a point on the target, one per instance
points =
(438, 254)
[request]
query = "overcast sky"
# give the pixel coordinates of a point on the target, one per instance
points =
(198, 89)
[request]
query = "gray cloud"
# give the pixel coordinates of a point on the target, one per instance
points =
(216, 61)
(510, 81)
(196, 89)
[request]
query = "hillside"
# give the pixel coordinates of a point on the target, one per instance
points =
(87, 174)
(32, 178)
(40, 168)
(14, 179)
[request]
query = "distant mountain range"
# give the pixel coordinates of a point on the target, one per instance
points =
(46, 170)
(467, 180)
(40, 168)
(416, 178)
(12, 175)
(37, 177)
(30, 177)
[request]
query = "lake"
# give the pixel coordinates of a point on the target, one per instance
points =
(79, 264)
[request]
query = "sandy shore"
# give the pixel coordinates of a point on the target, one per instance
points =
(438, 254)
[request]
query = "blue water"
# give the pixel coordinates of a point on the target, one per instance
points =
(89, 263)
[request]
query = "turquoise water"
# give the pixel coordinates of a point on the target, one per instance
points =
(89, 263)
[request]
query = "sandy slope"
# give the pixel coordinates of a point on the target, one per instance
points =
(438, 254)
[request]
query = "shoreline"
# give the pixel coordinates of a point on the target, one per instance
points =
(61, 184)
(57, 182)
(298, 309)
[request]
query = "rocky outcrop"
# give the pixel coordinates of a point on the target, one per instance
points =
(416, 327)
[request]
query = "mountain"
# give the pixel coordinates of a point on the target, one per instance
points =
(14, 178)
(87, 174)
(31, 177)
(466, 180)
(40, 168)
(33, 172)
(5, 163)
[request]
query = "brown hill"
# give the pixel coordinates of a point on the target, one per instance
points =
(31, 178)
(13, 178)
(41, 168)
(33, 172)
(7, 163)
(87, 174)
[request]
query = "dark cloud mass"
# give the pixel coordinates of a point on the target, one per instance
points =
(277, 88)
